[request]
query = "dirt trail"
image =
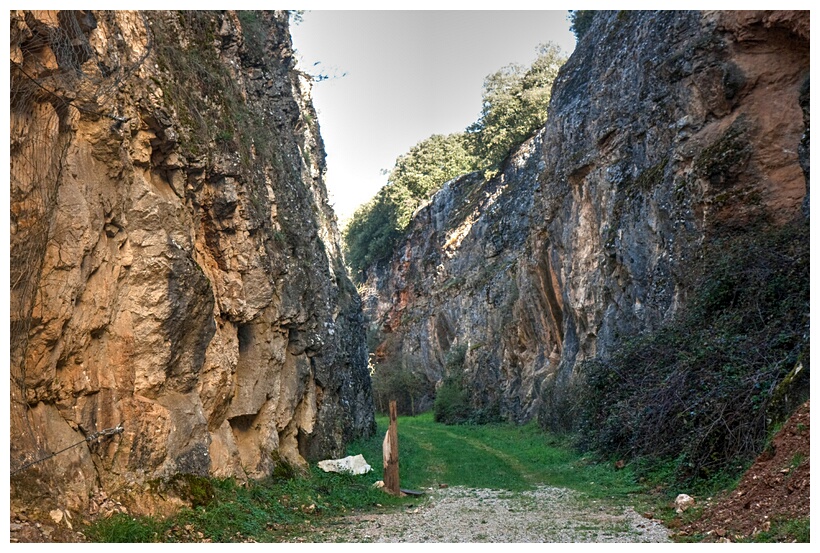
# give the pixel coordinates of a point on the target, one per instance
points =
(460, 514)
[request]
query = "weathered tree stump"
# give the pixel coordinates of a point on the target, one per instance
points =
(390, 454)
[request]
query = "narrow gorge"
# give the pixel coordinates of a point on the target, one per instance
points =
(181, 308)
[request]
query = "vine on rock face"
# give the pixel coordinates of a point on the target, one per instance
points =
(706, 389)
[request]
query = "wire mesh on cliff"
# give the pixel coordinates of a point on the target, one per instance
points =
(56, 76)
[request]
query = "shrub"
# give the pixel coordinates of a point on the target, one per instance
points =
(699, 390)
(452, 404)
(406, 385)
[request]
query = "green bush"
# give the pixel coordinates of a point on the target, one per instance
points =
(452, 404)
(700, 389)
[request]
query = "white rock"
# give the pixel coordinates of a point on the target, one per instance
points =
(683, 502)
(352, 464)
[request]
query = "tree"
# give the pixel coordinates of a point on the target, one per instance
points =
(580, 20)
(431, 163)
(515, 101)
(403, 382)
(376, 227)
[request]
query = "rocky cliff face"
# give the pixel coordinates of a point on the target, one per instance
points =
(665, 128)
(175, 263)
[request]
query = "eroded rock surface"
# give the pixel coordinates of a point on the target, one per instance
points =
(665, 128)
(176, 265)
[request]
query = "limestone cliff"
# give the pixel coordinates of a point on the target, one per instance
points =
(665, 128)
(175, 263)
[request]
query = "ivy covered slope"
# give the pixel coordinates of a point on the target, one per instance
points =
(659, 217)
(179, 264)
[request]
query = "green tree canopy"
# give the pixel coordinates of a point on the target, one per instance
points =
(431, 163)
(580, 21)
(377, 226)
(515, 103)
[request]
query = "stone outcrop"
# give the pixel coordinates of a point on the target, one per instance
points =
(665, 129)
(175, 262)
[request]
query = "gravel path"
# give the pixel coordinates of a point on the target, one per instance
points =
(478, 515)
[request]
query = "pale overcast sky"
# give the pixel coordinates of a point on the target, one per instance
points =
(407, 75)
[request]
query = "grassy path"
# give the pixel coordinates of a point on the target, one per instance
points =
(501, 456)
(503, 484)
(481, 483)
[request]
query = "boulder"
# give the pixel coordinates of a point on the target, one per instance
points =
(354, 464)
(683, 502)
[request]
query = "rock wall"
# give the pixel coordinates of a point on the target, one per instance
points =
(175, 263)
(665, 128)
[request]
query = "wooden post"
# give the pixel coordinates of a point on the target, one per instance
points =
(390, 454)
